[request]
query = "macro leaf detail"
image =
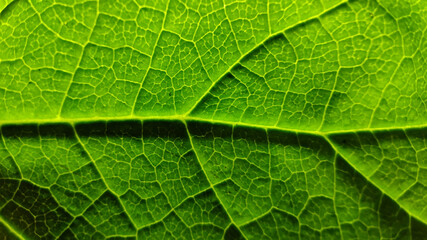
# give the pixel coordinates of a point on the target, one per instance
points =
(213, 119)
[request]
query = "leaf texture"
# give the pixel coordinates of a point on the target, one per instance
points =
(213, 119)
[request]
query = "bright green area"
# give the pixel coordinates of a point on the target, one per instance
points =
(213, 119)
(327, 66)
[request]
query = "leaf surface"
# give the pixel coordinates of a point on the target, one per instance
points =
(213, 119)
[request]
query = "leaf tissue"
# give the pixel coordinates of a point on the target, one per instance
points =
(213, 119)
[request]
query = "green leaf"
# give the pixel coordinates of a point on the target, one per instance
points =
(213, 119)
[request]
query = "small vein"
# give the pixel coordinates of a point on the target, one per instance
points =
(78, 63)
(243, 55)
(11, 229)
(151, 59)
(102, 176)
(210, 183)
(337, 151)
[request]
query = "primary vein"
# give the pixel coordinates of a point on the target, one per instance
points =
(198, 119)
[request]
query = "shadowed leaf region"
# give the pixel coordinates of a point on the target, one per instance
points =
(172, 179)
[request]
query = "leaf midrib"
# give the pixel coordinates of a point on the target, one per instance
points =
(185, 118)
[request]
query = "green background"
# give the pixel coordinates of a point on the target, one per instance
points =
(209, 119)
